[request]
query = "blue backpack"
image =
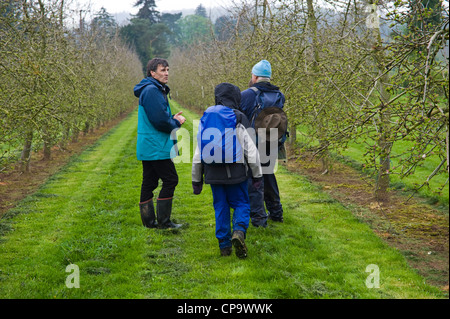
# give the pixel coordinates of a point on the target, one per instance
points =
(217, 137)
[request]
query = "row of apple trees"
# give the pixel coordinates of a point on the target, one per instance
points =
(58, 78)
(369, 72)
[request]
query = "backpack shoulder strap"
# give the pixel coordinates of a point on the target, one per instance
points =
(254, 89)
(257, 104)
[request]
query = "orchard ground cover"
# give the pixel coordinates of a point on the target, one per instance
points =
(87, 215)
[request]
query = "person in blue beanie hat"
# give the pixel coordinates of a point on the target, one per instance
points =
(262, 69)
(268, 191)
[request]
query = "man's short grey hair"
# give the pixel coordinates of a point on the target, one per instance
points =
(262, 79)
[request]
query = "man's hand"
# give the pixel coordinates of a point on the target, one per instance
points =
(180, 118)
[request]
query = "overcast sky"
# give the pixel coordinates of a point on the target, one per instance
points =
(115, 6)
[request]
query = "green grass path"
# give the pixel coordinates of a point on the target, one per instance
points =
(354, 154)
(87, 215)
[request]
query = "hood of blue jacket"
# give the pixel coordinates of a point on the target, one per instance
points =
(148, 81)
(227, 94)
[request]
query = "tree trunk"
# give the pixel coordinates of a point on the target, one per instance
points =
(65, 138)
(86, 128)
(312, 23)
(47, 151)
(384, 128)
(26, 152)
(447, 140)
(292, 135)
(382, 185)
(75, 134)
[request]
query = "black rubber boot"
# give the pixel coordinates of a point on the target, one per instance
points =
(163, 212)
(148, 214)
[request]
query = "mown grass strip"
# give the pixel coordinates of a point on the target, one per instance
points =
(354, 156)
(88, 215)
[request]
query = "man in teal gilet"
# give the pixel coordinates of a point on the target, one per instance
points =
(156, 145)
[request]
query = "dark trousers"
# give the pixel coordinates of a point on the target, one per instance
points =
(153, 171)
(269, 194)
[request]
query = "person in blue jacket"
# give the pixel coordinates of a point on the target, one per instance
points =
(268, 191)
(227, 173)
(156, 145)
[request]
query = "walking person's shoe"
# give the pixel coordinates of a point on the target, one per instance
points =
(226, 251)
(238, 241)
(276, 219)
(163, 212)
(147, 211)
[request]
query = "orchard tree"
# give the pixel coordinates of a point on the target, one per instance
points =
(56, 81)
(344, 80)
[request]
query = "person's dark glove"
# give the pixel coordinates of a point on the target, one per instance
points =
(257, 182)
(197, 186)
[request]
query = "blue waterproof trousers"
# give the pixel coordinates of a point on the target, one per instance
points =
(230, 196)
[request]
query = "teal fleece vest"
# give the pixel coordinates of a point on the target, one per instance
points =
(152, 144)
(155, 122)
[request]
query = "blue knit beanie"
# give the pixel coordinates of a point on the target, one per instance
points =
(262, 68)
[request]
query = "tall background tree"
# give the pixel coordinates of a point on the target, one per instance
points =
(201, 11)
(147, 33)
(170, 20)
(104, 22)
(147, 10)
